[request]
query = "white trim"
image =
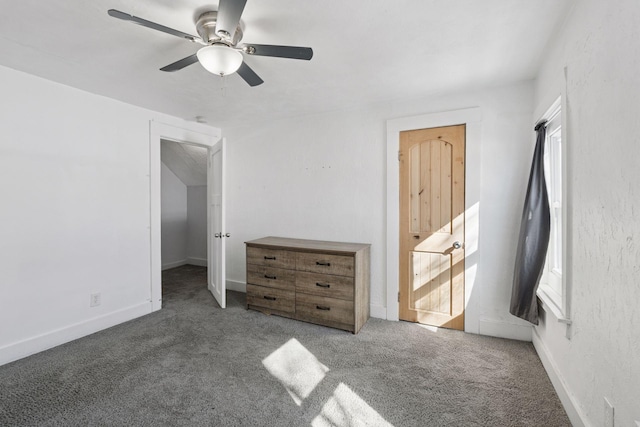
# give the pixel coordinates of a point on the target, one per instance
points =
(200, 262)
(553, 302)
(472, 117)
(501, 329)
(549, 305)
(184, 132)
(236, 285)
(54, 338)
(174, 264)
(576, 416)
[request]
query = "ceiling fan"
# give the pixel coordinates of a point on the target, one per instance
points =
(220, 32)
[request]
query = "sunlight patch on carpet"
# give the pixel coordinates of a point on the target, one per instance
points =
(346, 408)
(428, 327)
(297, 369)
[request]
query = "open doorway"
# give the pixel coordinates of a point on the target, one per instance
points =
(183, 214)
(183, 204)
(210, 139)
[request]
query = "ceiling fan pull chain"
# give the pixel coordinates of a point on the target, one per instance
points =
(223, 86)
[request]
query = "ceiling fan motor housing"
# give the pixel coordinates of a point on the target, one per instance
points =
(206, 27)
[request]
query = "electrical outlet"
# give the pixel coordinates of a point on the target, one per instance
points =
(95, 300)
(608, 414)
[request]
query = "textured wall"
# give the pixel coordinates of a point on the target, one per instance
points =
(598, 45)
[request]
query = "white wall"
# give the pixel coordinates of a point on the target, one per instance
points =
(324, 177)
(174, 219)
(197, 224)
(75, 216)
(598, 45)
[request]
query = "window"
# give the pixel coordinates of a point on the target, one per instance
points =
(551, 288)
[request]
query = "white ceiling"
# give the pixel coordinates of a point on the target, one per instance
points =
(188, 162)
(365, 51)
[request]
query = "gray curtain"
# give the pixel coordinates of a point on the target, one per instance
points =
(534, 238)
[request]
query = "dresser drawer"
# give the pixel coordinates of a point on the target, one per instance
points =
(271, 277)
(274, 299)
(271, 257)
(325, 285)
(323, 308)
(339, 265)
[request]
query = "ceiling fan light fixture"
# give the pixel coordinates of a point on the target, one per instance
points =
(220, 59)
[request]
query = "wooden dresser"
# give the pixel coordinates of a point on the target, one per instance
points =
(326, 283)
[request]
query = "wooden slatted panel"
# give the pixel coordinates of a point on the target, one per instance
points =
(431, 282)
(416, 186)
(425, 177)
(446, 169)
(431, 187)
(434, 173)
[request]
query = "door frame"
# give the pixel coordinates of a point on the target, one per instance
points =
(472, 118)
(186, 133)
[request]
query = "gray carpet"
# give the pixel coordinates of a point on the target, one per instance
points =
(193, 364)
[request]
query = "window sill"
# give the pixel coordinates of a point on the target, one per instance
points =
(550, 306)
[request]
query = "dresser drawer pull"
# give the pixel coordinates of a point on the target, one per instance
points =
(269, 257)
(325, 264)
(323, 307)
(269, 298)
(323, 285)
(266, 276)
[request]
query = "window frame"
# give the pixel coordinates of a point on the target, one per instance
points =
(552, 290)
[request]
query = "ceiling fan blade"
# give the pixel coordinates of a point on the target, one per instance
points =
(229, 12)
(293, 52)
(179, 65)
(249, 75)
(126, 17)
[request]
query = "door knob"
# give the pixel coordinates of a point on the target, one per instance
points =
(217, 235)
(457, 245)
(227, 235)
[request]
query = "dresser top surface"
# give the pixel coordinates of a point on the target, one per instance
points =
(303, 244)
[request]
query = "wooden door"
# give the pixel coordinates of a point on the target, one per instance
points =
(432, 226)
(216, 223)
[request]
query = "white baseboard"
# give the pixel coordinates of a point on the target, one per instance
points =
(200, 262)
(501, 329)
(236, 285)
(174, 264)
(575, 415)
(29, 346)
(378, 311)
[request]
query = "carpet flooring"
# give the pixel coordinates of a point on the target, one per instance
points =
(194, 364)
